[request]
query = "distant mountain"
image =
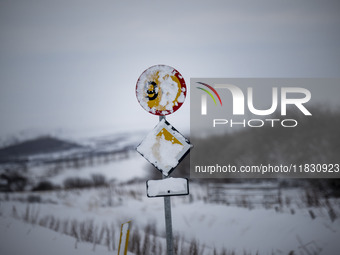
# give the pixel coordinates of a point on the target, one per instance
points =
(50, 149)
(39, 145)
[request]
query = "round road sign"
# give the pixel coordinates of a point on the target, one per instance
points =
(161, 90)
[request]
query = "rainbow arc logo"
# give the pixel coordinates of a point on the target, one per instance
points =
(209, 93)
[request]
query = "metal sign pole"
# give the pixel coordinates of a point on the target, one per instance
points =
(168, 223)
(153, 93)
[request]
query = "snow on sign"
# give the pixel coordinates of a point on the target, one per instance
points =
(164, 147)
(161, 90)
(167, 187)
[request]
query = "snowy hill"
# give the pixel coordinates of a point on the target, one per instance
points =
(25, 164)
(47, 148)
(44, 145)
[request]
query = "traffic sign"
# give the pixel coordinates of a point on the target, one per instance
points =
(161, 90)
(164, 147)
(167, 187)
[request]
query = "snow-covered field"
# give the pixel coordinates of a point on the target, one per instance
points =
(17, 237)
(54, 222)
(213, 226)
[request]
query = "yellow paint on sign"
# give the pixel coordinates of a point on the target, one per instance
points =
(154, 77)
(168, 136)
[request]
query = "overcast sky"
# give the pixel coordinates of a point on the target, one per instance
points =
(72, 65)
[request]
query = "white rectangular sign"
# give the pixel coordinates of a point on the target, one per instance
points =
(167, 187)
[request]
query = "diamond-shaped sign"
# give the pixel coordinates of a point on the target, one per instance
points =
(164, 147)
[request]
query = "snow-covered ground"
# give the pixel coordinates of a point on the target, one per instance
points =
(122, 170)
(17, 237)
(249, 227)
(266, 231)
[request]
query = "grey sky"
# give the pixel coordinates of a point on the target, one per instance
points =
(73, 65)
